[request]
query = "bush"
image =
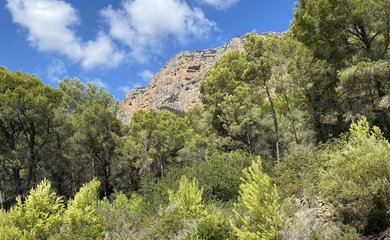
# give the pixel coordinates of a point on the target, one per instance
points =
(188, 217)
(122, 218)
(357, 177)
(297, 173)
(219, 176)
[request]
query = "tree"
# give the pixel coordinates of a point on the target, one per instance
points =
(357, 177)
(154, 140)
(233, 92)
(257, 211)
(259, 71)
(350, 39)
(97, 129)
(340, 29)
(39, 217)
(220, 81)
(81, 218)
(289, 91)
(202, 138)
(244, 116)
(26, 122)
(365, 90)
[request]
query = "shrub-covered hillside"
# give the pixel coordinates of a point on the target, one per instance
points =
(291, 143)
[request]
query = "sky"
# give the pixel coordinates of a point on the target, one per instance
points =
(121, 44)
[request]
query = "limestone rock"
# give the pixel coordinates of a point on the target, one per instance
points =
(176, 86)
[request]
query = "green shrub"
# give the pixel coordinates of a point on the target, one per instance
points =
(297, 173)
(38, 217)
(81, 217)
(357, 177)
(257, 211)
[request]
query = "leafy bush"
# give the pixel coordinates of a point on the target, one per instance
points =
(219, 176)
(122, 218)
(357, 177)
(297, 173)
(187, 217)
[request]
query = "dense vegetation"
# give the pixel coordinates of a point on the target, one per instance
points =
(291, 143)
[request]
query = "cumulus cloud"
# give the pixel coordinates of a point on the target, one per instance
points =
(100, 83)
(50, 26)
(145, 25)
(220, 4)
(56, 70)
(146, 75)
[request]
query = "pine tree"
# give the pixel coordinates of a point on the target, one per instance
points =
(81, 218)
(39, 217)
(257, 211)
(188, 199)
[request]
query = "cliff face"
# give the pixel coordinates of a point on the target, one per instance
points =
(176, 85)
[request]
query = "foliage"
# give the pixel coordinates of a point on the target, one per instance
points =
(365, 89)
(297, 173)
(288, 97)
(122, 217)
(188, 198)
(357, 177)
(257, 211)
(233, 92)
(341, 28)
(26, 120)
(81, 217)
(155, 137)
(219, 176)
(187, 217)
(97, 128)
(38, 217)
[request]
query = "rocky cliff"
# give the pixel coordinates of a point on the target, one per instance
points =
(176, 86)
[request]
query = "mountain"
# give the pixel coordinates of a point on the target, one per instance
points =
(176, 86)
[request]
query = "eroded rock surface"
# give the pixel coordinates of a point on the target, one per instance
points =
(176, 85)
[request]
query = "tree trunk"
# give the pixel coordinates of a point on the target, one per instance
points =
(32, 165)
(2, 199)
(17, 180)
(276, 126)
(298, 141)
(60, 185)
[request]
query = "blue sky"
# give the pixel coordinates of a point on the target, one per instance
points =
(120, 44)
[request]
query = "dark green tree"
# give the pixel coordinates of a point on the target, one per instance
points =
(27, 120)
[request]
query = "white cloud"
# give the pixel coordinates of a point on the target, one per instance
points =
(124, 89)
(145, 25)
(99, 83)
(220, 4)
(101, 52)
(146, 75)
(56, 70)
(50, 25)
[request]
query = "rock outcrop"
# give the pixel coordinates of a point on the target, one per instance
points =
(176, 86)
